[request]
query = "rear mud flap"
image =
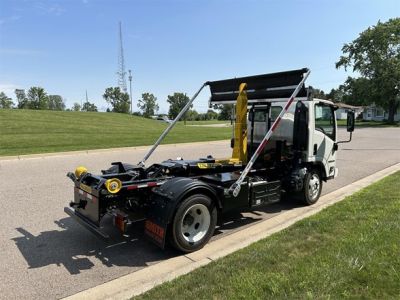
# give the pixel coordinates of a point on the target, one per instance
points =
(155, 233)
(85, 222)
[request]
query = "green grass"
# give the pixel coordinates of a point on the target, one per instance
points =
(349, 250)
(208, 122)
(29, 131)
(368, 124)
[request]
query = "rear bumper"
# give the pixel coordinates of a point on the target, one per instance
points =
(85, 222)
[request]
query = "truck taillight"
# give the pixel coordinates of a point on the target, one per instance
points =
(120, 222)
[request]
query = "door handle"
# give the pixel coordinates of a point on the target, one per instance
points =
(315, 149)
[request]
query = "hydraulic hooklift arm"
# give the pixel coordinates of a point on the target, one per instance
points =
(166, 131)
(235, 187)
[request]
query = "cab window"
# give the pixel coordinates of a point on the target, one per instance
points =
(325, 120)
(275, 111)
(259, 115)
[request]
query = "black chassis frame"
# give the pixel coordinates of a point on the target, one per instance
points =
(154, 193)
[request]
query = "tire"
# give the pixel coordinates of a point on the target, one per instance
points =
(193, 224)
(312, 187)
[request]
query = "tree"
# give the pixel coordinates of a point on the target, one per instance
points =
(225, 111)
(87, 106)
(118, 99)
(356, 91)
(76, 107)
(5, 102)
(336, 95)
(148, 105)
(319, 94)
(56, 102)
(21, 99)
(177, 102)
(211, 115)
(375, 54)
(37, 98)
(192, 115)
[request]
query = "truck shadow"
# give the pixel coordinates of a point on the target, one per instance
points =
(76, 249)
(237, 220)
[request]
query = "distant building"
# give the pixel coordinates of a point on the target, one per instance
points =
(377, 113)
(341, 112)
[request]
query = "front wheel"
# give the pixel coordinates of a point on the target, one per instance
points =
(312, 187)
(194, 223)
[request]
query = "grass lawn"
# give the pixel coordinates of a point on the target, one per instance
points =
(349, 250)
(30, 131)
(208, 122)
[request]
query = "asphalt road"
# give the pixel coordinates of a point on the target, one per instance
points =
(46, 255)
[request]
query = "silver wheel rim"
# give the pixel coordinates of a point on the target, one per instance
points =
(195, 223)
(314, 186)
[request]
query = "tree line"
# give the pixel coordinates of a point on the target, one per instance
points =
(148, 106)
(375, 56)
(38, 99)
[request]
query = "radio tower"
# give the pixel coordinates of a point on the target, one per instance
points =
(121, 64)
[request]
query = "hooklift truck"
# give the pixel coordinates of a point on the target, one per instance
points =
(284, 142)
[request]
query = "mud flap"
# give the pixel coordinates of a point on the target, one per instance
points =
(155, 233)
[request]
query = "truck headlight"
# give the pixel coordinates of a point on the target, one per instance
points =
(113, 185)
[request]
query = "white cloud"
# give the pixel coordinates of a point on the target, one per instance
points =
(9, 19)
(9, 89)
(23, 52)
(49, 9)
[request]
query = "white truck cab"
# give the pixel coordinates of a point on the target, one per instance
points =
(322, 130)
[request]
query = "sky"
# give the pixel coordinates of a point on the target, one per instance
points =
(70, 46)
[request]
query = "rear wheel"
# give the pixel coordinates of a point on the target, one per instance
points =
(194, 223)
(312, 187)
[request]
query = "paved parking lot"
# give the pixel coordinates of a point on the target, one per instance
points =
(47, 255)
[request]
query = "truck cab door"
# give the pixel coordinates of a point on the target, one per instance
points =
(324, 137)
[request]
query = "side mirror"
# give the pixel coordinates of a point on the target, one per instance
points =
(350, 126)
(350, 121)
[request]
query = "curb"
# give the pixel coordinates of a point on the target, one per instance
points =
(145, 279)
(97, 151)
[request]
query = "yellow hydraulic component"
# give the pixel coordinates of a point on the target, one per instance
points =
(113, 185)
(79, 171)
(228, 161)
(208, 165)
(239, 152)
